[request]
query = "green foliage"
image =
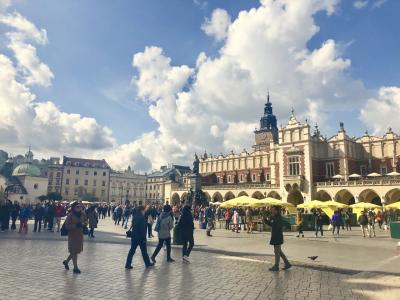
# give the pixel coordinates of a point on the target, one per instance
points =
(53, 196)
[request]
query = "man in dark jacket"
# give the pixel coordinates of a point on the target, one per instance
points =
(14, 214)
(138, 238)
(38, 214)
(186, 226)
(276, 224)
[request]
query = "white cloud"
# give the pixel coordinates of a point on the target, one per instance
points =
(218, 25)
(359, 4)
(383, 110)
(217, 104)
(378, 3)
(25, 121)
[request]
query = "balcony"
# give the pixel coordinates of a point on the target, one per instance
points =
(245, 185)
(293, 182)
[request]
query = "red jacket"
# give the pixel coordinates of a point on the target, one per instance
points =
(59, 211)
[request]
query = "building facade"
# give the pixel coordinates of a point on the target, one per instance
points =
(296, 164)
(127, 186)
(85, 179)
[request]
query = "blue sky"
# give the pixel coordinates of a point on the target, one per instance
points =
(92, 43)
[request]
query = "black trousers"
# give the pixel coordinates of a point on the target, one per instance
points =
(227, 223)
(159, 246)
(348, 225)
(91, 232)
(38, 225)
(188, 243)
(143, 249)
(5, 223)
(50, 223)
(149, 230)
(13, 220)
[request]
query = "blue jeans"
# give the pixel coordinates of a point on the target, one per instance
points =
(143, 249)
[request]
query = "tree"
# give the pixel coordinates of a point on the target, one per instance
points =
(89, 197)
(54, 196)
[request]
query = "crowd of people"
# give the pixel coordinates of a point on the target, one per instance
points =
(140, 221)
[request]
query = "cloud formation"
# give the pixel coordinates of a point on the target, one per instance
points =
(218, 25)
(24, 120)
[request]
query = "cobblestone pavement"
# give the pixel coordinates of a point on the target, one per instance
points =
(32, 269)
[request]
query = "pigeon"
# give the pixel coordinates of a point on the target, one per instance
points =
(313, 257)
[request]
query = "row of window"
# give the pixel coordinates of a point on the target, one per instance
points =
(58, 174)
(85, 191)
(242, 178)
(85, 182)
(77, 172)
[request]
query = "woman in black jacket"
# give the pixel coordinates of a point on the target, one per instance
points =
(186, 226)
(276, 224)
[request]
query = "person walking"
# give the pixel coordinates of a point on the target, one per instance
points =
(75, 222)
(59, 212)
(363, 221)
(93, 219)
(336, 222)
(150, 221)
(4, 215)
(371, 224)
(210, 216)
(347, 220)
(299, 223)
(186, 225)
(318, 223)
(138, 238)
(14, 214)
(228, 218)
(50, 217)
(249, 220)
(235, 221)
(276, 223)
(164, 225)
(38, 214)
(24, 215)
(118, 215)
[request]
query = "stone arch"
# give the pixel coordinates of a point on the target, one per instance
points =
(323, 196)
(229, 196)
(208, 197)
(258, 195)
(242, 193)
(295, 197)
(392, 196)
(184, 197)
(370, 196)
(274, 195)
(175, 199)
(345, 197)
(217, 197)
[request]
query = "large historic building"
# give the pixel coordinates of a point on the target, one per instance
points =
(295, 163)
(84, 179)
(128, 186)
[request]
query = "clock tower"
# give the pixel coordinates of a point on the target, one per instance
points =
(268, 131)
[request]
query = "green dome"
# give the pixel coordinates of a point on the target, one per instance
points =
(26, 169)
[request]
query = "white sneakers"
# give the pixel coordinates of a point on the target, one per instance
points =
(186, 259)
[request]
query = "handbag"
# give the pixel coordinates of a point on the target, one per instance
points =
(129, 233)
(64, 230)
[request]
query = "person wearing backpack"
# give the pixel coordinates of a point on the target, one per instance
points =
(164, 225)
(363, 221)
(209, 214)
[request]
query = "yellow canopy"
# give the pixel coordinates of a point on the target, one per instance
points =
(239, 201)
(335, 204)
(272, 202)
(364, 205)
(312, 204)
(395, 205)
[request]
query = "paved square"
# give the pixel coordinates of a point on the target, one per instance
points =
(31, 269)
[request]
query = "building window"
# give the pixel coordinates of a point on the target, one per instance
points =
(86, 172)
(35, 186)
(229, 178)
(77, 172)
(104, 173)
(103, 183)
(103, 193)
(363, 170)
(267, 177)
(329, 169)
(58, 174)
(95, 173)
(75, 192)
(76, 181)
(254, 178)
(294, 166)
(67, 181)
(68, 171)
(66, 191)
(383, 170)
(86, 182)
(241, 177)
